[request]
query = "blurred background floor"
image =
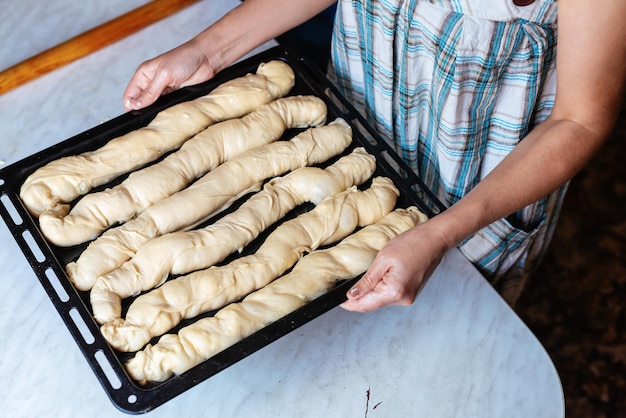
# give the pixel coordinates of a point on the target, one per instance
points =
(575, 302)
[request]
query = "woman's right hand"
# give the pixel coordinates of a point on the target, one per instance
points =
(183, 66)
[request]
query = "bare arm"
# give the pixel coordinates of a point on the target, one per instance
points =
(591, 75)
(591, 71)
(244, 28)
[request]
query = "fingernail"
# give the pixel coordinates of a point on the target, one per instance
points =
(354, 292)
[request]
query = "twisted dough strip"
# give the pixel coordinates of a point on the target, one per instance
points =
(212, 193)
(65, 179)
(186, 251)
(97, 211)
(160, 310)
(312, 276)
(311, 183)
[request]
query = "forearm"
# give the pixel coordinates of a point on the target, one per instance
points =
(547, 158)
(251, 24)
(591, 81)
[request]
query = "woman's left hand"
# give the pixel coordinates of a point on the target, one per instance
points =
(399, 271)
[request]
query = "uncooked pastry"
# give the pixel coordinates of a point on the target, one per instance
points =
(63, 180)
(218, 143)
(311, 277)
(158, 311)
(186, 251)
(209, 195)
(316, 184)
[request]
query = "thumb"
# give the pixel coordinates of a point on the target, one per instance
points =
(368, 282)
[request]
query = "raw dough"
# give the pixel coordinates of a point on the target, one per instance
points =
(158, 311)
(316, 184)
(209, 195)
(311, 277)
(218, 143)
(186, 251)
(65, 179)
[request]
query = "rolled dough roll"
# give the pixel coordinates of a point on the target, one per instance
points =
(97, 211)
(212, 193)
(67, 178)
(185, 251)
(312, 276)
(158, 311)
(129, 280)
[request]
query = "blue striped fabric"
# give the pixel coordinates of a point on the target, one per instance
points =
(453, 86)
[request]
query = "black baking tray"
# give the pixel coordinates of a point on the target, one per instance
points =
(73, 306)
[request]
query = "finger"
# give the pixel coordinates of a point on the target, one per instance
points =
(147, 95)
(389, 289)
(136, 84)
(361, 287)
(369, 280)
(140, 97)
(370, 301)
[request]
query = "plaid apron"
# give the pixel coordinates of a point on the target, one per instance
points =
(453, 86)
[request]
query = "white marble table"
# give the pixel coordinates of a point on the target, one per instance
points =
(459, 351)
(29, 27)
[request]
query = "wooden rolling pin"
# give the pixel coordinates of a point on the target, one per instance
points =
(88, 42)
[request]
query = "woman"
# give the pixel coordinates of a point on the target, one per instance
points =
(475, 95)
